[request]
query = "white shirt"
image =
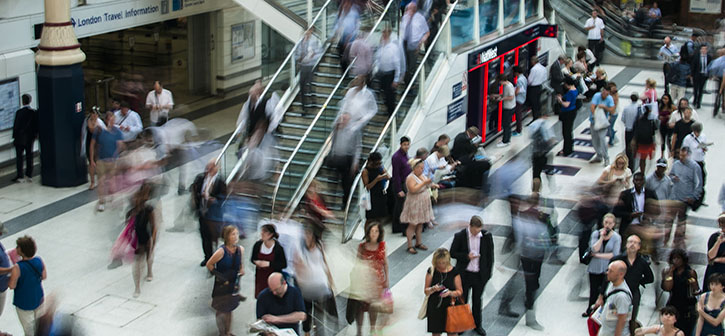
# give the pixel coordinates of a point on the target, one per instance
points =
(591, 59)
(361, 106)
(163, 99)
(309, 51)
(675, 116)
(132, 120)
(474, 245)
(433, 163)
(669, 54)
(509, 91)
(413, 34)
(639, 202)
(696, 145)
(596, 32)
(388, 57)
(537, 75)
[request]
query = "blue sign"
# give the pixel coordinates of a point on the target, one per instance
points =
(455, 110)
(457, 90)
(560, 170)
(583, 142)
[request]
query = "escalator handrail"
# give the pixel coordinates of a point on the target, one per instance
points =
(267, 87)
(319, 114)
(384, 131)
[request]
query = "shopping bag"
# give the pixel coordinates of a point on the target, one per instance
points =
(600, 119)
(459, 318)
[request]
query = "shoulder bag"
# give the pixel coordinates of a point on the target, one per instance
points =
(593, 323)
(423, 311)
(600, 119)
(459, 318)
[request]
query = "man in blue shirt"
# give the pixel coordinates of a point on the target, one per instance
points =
(281, 305)
(604, 101)
(103, 156)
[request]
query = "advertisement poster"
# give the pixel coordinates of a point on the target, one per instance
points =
(705, 6)
(9, 102)
(243, 41)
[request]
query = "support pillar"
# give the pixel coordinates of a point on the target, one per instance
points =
(60, 99)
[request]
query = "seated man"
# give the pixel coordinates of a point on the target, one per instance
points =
(472, 171)
(281, 305)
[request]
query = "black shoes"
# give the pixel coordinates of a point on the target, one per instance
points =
(480, 331)
(203, 263)
(506, 311)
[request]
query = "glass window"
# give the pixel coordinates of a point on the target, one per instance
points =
(462, 24)
(510, 12)
(532, 7)
(487, 16)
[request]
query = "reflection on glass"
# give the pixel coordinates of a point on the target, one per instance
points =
(461, 24)
(531, 8)
(494, 68)
(487, 16)
(510, 12)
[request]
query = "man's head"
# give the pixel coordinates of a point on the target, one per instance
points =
(595, 13)
(109, 118)
(255, 91)
(125, 107)
(277, 284)
(703, 49)
(668, 40)
(475, 225)
(309, 31)
(616, 271)
(472, 132)
(687, 114)
(605, 91)
(386, 34)
(534, 60)
(561, 59)
(115, 104)
(211, 167)
(501, 78)
(697, 128)
(405, 143)
(518, 71)
(421, 153)
(443, 140)
(26, 99)
(411, 8)
(158, 87)
(634, 97)
(633, 244)
(685, 153)
(638, 180)
(661, 167)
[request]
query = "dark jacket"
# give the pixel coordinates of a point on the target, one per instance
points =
(638, 274)
(696, 66)
(463, 150)
(280, 260)
(25, 127)
(218, 191)
(625, 207)
(460, 250)
(556, 78)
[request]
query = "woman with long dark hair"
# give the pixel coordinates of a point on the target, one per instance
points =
(681, 281)
(664, 110)
(143, 216)
(268, 255)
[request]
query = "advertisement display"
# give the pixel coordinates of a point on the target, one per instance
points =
(705, 6)
(9, 102)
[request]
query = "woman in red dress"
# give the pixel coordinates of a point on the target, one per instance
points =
(268, 256)
(372, 253)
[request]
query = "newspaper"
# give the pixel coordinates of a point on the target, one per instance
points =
(268, 329)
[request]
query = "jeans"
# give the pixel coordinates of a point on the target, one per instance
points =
(519, 112)
(599, 142)
(506, 124)
(611, 132)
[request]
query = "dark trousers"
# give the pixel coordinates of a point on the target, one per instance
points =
(411, 63)
(597, 47)
(506, 116)
(306, 72)
(567, 129)
(665, 68)
(318, 315)
(398, 227)
(207, 239)
(628, 149)
(699, 86)
(343, 167)
(472, 281)
(595, 284)
(26, 148)
(532, 272)
(636, 298)
(386, 83)
(519, 113)
(702, 167)
(533, 96)
(538, 163)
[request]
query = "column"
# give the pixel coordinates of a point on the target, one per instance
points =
(60, 99)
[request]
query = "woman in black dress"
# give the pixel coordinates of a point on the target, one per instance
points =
(681, 281)
(716, 252)
(226, 265)
(144, 217)
(375, 178)
(442, 284)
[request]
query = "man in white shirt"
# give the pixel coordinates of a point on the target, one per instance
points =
(160, 102)
(128, 121)
(521, 85)
(258, 110)
(415, 32)
(595, 35)
(508, 98)
(390, 68)
(668, 53)
(537, 77)
(697, 143)
(307, 54)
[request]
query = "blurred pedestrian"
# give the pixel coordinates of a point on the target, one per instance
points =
(159, 101)
(25, 131)
(417, 210)
(401, 170)
(697, 142)
(668, 318)
(307, 55)
(415, 32)
(372, 253)
(542, 141)
(106, 146)
(644, 136)
(473, 249)
(313, 278)
(630, 114)
(268, 257)
(227, 266)
(686, 176)
(442, 281)
(698, 68)
(716, 251)
(359, 102)
(611, 133)
(26, 282)
(680, 280)
(345, 153)
(91, 125)
(346, 28)
(208, 192)
(678, 75)
(537, 77)
(668, 53)
(375, 179)
(711, 307)
(145, 219)
(128, 121)
(361, 51)
(280, 304)
(604, 244)
(604, 101)
(258, 110)
(665, 109)
(389, 59)
(316, 208)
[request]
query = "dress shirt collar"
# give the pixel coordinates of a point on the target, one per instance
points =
(479, 235)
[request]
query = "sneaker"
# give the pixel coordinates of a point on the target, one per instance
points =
(100, 207)
(605, 163)
(18, 180)
(502, 144)
(28, 180)
(515, 134)
(595, 159)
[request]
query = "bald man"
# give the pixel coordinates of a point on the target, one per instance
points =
(280, 304)
(616, 310)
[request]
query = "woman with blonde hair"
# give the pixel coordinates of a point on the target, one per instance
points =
(618, 176)
(442, 283)
(650, 92)
(417, 209)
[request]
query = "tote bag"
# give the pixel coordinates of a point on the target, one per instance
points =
(459, 318)
(600, 120)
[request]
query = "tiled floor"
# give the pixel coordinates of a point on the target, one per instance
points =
(75, 243)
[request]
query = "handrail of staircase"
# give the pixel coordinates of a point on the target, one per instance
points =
(272, 80)
(392, 117)
(319, 113)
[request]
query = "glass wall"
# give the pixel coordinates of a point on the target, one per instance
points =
(463, 20)
(487, 16)
(510, 12)
(531, 8)
(462, 23)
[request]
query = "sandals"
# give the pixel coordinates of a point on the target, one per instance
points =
(421, 247)
(412, 250)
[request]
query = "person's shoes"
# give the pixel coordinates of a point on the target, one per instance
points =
(181, 191)
(587, 313)
(502, 144)
(606, 162)
(514, 133)
(203, 263)
(595, 159)
(531, 320)
(18, 180)
(480, 331)
(136, 294)
(100, 207)
(241, 297)
(28, 179)
(556, 261)
(149, 278)
(421, 247)
(506, 311)
(115, 263)
(412, 250)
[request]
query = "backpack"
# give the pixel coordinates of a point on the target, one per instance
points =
(644, 129)
(673, 72)
(540, 146)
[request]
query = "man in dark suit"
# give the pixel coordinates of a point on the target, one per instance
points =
(631, 205)
(556, 78)
(208, 192)
(470, 173)
(472, 248)
(698, 68)
(25, 130)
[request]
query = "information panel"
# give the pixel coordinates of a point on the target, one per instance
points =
(9, 102)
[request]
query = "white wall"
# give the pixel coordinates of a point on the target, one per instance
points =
(20, 64)
(226, 18)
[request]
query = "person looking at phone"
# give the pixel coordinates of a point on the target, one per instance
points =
(442, 282)
(716, 251)
(603, 244)
(697, 142)
(375, 179)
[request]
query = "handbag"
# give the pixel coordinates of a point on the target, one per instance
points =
(459, 317)
(587, 256)
(365, 200)
(423, 311)
(385, 303)
(600, 120)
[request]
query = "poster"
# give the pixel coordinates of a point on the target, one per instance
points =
(9, 102)
(705, 6)
(243, 41)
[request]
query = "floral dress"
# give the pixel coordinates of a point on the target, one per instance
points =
(417, 208)
(375, 261)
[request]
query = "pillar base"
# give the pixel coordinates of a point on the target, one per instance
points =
(61, 112)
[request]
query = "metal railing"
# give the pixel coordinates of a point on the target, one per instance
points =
(391, 124)
(386, 12)
(320, 22)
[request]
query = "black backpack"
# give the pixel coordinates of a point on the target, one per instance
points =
(673, 72)
(644, 129)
